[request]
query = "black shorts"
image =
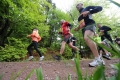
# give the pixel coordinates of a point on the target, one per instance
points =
(119, 45)
(67, 38)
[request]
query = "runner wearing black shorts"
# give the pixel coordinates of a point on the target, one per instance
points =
(87, 24)
(65, 31)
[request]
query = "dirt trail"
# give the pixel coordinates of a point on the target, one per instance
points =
(51, 69)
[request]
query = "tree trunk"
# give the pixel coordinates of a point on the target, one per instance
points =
(4, 33)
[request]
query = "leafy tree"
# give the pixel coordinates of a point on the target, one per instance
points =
(19, 17)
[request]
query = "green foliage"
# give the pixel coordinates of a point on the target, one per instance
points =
(30, 16)
(118, 72)
(77, 64)
(15, 51)
(43, 50)
(23, 16)
(55, 45)
(69, 77)
(67, 52)
(99, 74)
(57, 78)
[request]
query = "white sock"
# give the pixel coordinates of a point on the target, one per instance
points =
(107, 54)
(98, 58)
(31, 56)
(100, 55)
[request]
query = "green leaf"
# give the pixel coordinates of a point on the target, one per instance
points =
(28, 76)
(69, 77)
(39, 74)
(57, 78)
(77, 63)
(118, 72)
(16, 56)
(99, 74)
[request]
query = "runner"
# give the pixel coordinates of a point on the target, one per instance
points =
(88, 29)
(103, 30)
(35, 39)
(65, 32)
(103, 52)
(74, 40)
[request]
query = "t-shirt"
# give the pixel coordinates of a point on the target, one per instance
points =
(88, 19)
(35, 36)
(65, 28)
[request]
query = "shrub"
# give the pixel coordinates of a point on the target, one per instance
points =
(43, 50)
(15, 51)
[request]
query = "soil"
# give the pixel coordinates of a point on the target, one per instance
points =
(51, 69)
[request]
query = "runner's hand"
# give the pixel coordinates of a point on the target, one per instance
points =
(28, 35)
(76, 29)
(101, 30)
(85, 13)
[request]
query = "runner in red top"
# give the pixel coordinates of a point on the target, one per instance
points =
(65, 28)
(65, 31)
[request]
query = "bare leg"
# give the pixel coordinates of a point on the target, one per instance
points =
(90, 43)
(62, 47)
(101, 52)
(73, 47)
(58, 57)
(106, 51)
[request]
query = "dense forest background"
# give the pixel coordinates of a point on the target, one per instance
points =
(19, 17)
